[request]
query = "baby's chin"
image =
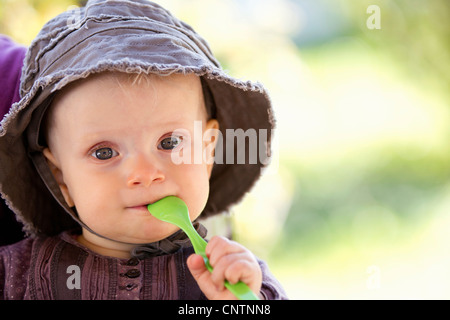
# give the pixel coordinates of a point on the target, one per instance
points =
(149, 236)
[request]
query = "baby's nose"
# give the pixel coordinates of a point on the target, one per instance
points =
(143, 173)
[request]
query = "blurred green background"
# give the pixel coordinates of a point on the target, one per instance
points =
(355, 204)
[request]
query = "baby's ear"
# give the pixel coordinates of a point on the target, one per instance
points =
(210, 138)
(57, 173)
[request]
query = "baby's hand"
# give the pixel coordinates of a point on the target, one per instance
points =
(230, 261)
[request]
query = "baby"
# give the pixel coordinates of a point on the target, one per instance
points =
(106, 106)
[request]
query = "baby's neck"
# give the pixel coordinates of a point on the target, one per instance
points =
(122, 251)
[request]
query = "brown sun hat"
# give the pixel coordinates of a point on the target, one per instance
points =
(131, 37)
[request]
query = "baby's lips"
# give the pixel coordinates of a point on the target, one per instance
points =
(145, 203)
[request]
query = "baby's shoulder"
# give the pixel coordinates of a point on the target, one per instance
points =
(14, 268)
(20, 248)
(15, 258)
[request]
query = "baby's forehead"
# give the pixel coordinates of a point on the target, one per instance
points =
(133, 79)
(114, 83)
(126, 88)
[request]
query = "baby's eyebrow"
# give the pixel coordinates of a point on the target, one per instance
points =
(96, 134)
(101, 134)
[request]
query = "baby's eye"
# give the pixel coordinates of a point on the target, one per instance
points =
(170, 143)
(104, 153)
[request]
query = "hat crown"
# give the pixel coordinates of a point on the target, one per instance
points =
(66, 36)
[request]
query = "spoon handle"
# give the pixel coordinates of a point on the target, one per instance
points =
(239, 289)
(173, 210)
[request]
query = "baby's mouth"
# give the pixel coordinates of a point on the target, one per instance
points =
(142, 207)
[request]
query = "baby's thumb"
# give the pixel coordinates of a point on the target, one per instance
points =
(203, 278)
(197, 266)
(201, 275)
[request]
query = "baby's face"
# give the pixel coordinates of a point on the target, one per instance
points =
(111, 143)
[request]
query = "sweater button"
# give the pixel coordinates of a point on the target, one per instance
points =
(133, 273)
(133, 262)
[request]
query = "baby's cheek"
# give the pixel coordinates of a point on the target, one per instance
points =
(195, 188)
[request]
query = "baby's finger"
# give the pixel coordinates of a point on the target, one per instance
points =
(220, 246)
(240, 270)
(228, 268)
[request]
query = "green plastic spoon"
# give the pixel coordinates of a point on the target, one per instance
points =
(173, 210)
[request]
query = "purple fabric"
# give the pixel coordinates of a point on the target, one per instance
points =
(11, 61)
(41, 268)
